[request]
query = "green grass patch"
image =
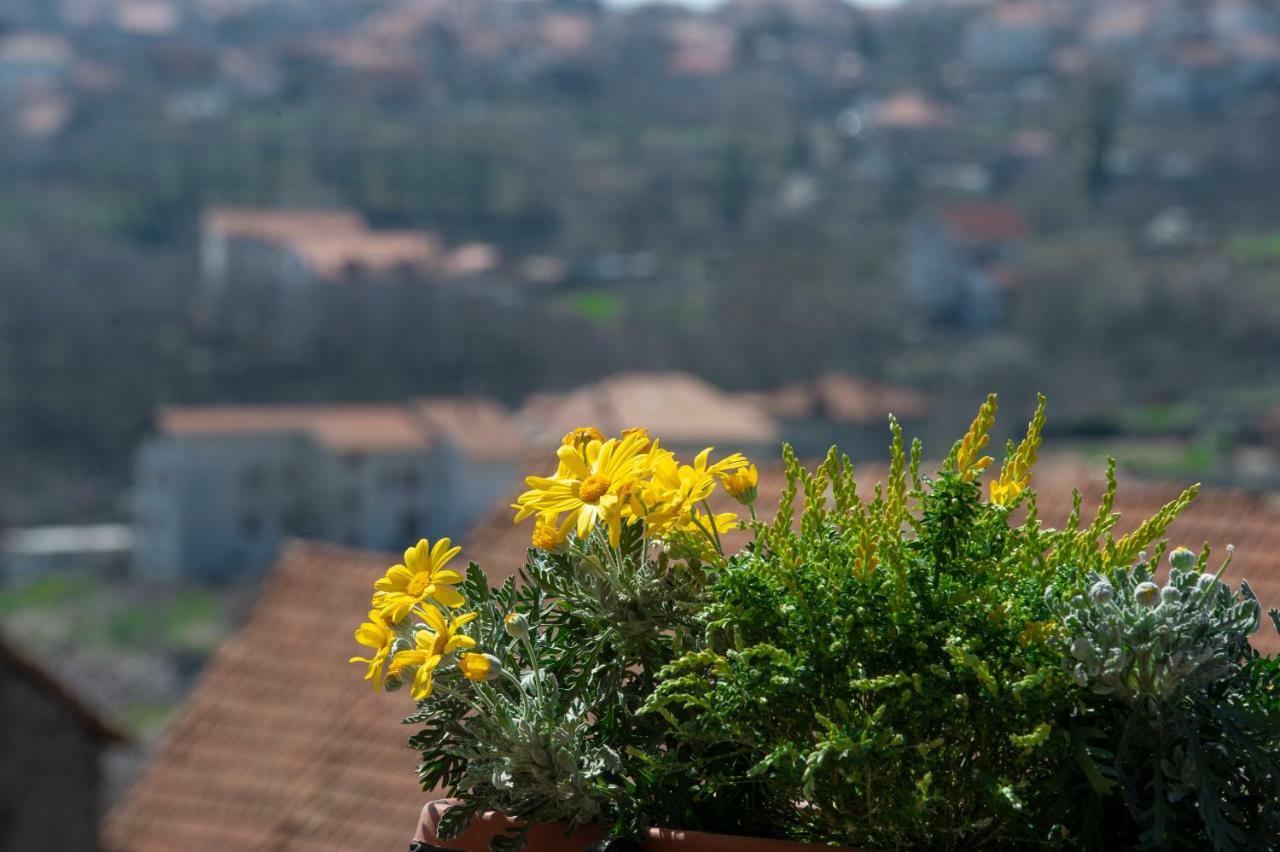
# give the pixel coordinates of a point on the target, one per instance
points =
(1255, 249)
(145, 718)
(1160, 419)
(47, 593)
(193, 621)
(596, 306)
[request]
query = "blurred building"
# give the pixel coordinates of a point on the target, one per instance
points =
(1016, 37)
(844, 410)
(275, 263)
(52, 746)
(34, 59)
(218, 489)
(959, 259)
(688, 413)
(93, 549)
(290, 751)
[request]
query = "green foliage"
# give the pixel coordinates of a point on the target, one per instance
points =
(886, 666)
(907, 666)
(1182, 715)
(550, 744)
(920, 670)
(1257, 249)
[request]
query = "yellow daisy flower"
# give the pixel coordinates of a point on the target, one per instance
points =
(742, 484)
(668, 499)
(549, 534)
(376, 633)
(479, 667)
(582, 435)
(422, 576)
(432, 645)
(589, 493)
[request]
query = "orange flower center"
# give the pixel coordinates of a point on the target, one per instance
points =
(545, 537)
(418, 585)
(593, 488)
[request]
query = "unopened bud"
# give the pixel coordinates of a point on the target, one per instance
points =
(516, 625)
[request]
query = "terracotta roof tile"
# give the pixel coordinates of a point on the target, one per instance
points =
(331, 242)
(846, 398)
(480, 428)
(280, 746)
(911, 110)
(682, 408)
(984, 221)
(339, 427)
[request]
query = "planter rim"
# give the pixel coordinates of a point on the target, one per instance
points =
(489, 824)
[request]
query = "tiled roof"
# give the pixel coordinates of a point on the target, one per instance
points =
(682, 408)
(479, 428)
(26, 47)
(911, 110)
(846, 398)
(282, 225)
(980, 221)
(339, 427)
(332, 242)
(103, 730)
(281, 746)
(336, 255)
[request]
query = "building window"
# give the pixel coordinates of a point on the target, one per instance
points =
(410, 527)
(250, 524)
(253, 479)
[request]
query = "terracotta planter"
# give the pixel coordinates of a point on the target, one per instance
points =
(551, 838)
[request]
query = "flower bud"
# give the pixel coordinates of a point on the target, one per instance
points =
(1182, 558)
(742, 484)
(479, 667)
(1170, 595)
(516, 625)
(1147, 594)
(1102, 592)
(1081, 648)
(1079, 675)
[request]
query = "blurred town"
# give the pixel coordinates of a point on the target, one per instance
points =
(336, 270)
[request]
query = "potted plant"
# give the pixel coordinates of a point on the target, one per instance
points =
(926, 666)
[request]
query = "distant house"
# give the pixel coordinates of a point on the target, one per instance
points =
(34, 59)
(905, 130)
(93, 549)
(1120, 27)
(1186, 77)
(959, 260)
(686, 412)
(216, 490)
(272, 264)
(305, 246)
(845, 410)
(51, 772)
(1017, 37)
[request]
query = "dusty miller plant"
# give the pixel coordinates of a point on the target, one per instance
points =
(1176, 732)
